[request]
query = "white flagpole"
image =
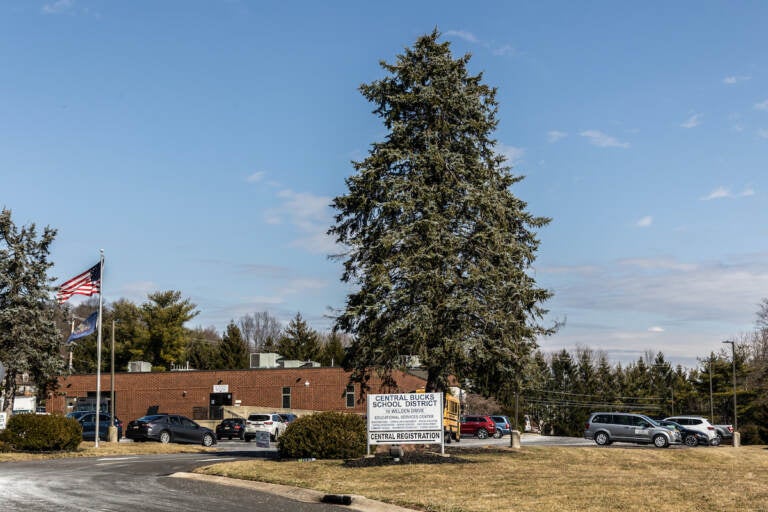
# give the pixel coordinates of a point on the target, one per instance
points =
(98, 349)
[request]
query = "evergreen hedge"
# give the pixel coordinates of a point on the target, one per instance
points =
(41, 433)
(324, 435)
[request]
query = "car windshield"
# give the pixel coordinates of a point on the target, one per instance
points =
(151, 418)
(651, 421)
(260, 417)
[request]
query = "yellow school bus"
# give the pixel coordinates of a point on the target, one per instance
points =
(451, 416)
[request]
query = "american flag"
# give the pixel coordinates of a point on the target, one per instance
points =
(87, 283)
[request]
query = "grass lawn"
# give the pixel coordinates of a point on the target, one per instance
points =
(542, 478)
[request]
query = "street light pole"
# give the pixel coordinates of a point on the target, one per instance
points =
(735, 416)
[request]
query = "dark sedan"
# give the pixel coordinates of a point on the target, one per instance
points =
(690, 437)
(88, 422)
(169, 428)
(231, 428)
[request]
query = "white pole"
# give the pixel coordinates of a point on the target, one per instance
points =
(98, 349)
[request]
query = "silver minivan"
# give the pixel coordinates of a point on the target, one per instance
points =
(608, 427)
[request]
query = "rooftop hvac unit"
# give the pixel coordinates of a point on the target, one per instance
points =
(264, 360)
(139, 366)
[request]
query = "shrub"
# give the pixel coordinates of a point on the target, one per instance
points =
(42, 433)
(325, 435)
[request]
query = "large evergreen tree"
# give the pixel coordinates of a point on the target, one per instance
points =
(299, 341)
(29, 337)
(203, 349)
(437, 245)
(233, 349)
(164, 317)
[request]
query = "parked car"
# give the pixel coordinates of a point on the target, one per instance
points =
(88, 423)
(480, 426)
(690, 437)
(608, 427)
(169, 428)
(503, 426)
(271, 423)
(231, 428)
(77, 414)
(288, 418)
(724, 432)
(700, 424)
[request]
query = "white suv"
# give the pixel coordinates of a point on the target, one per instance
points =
(699, 424)
(271, 423)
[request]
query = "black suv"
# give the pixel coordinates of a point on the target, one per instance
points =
(231, 428)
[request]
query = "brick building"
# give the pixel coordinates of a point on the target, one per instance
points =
(203, 395)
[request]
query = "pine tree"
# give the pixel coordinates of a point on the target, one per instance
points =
(438, 247)
(332, 351)
(29, 337)
(299, 341)
(164, 317)
(234, 349)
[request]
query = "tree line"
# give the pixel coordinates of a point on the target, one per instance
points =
(560, 390)
(155, 332)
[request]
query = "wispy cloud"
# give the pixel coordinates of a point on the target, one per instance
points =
(256, 177)
(731, 80)
(644, 222)
(693, 121)
(724, 192)
(495, 49)
(763, 105)
(58, 6)
(704, 300)
(462, 34)
(310, 214)
(514, 154)
(762, 133)
(555, 135)
(600, 139)
(718, 193)
(506, 49)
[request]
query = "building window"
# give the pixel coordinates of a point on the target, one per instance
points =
(350, 396)
(286, 398)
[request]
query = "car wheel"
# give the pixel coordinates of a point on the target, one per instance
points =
(165, 437)
(717, 440)
(660, 441)
(482, 433)
(602, 439)
(690, 440)
(207, 440)
(241, 436)
(497, 434)
(247, 439)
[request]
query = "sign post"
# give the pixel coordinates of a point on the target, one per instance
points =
(405, 418)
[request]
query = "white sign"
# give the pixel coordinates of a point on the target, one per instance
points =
(221, 388)
(262, 439)
(2, 420)
(405, 418)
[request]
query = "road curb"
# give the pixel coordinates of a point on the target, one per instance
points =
(356, 502)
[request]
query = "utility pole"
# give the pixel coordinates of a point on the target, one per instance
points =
(736, 435)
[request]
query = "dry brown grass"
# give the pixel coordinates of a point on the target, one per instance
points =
(543, 479)
(87, 449)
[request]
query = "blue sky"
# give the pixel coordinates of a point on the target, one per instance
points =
(200, 143)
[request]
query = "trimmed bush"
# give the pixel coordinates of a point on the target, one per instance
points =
(42, 433)
(325, 435)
